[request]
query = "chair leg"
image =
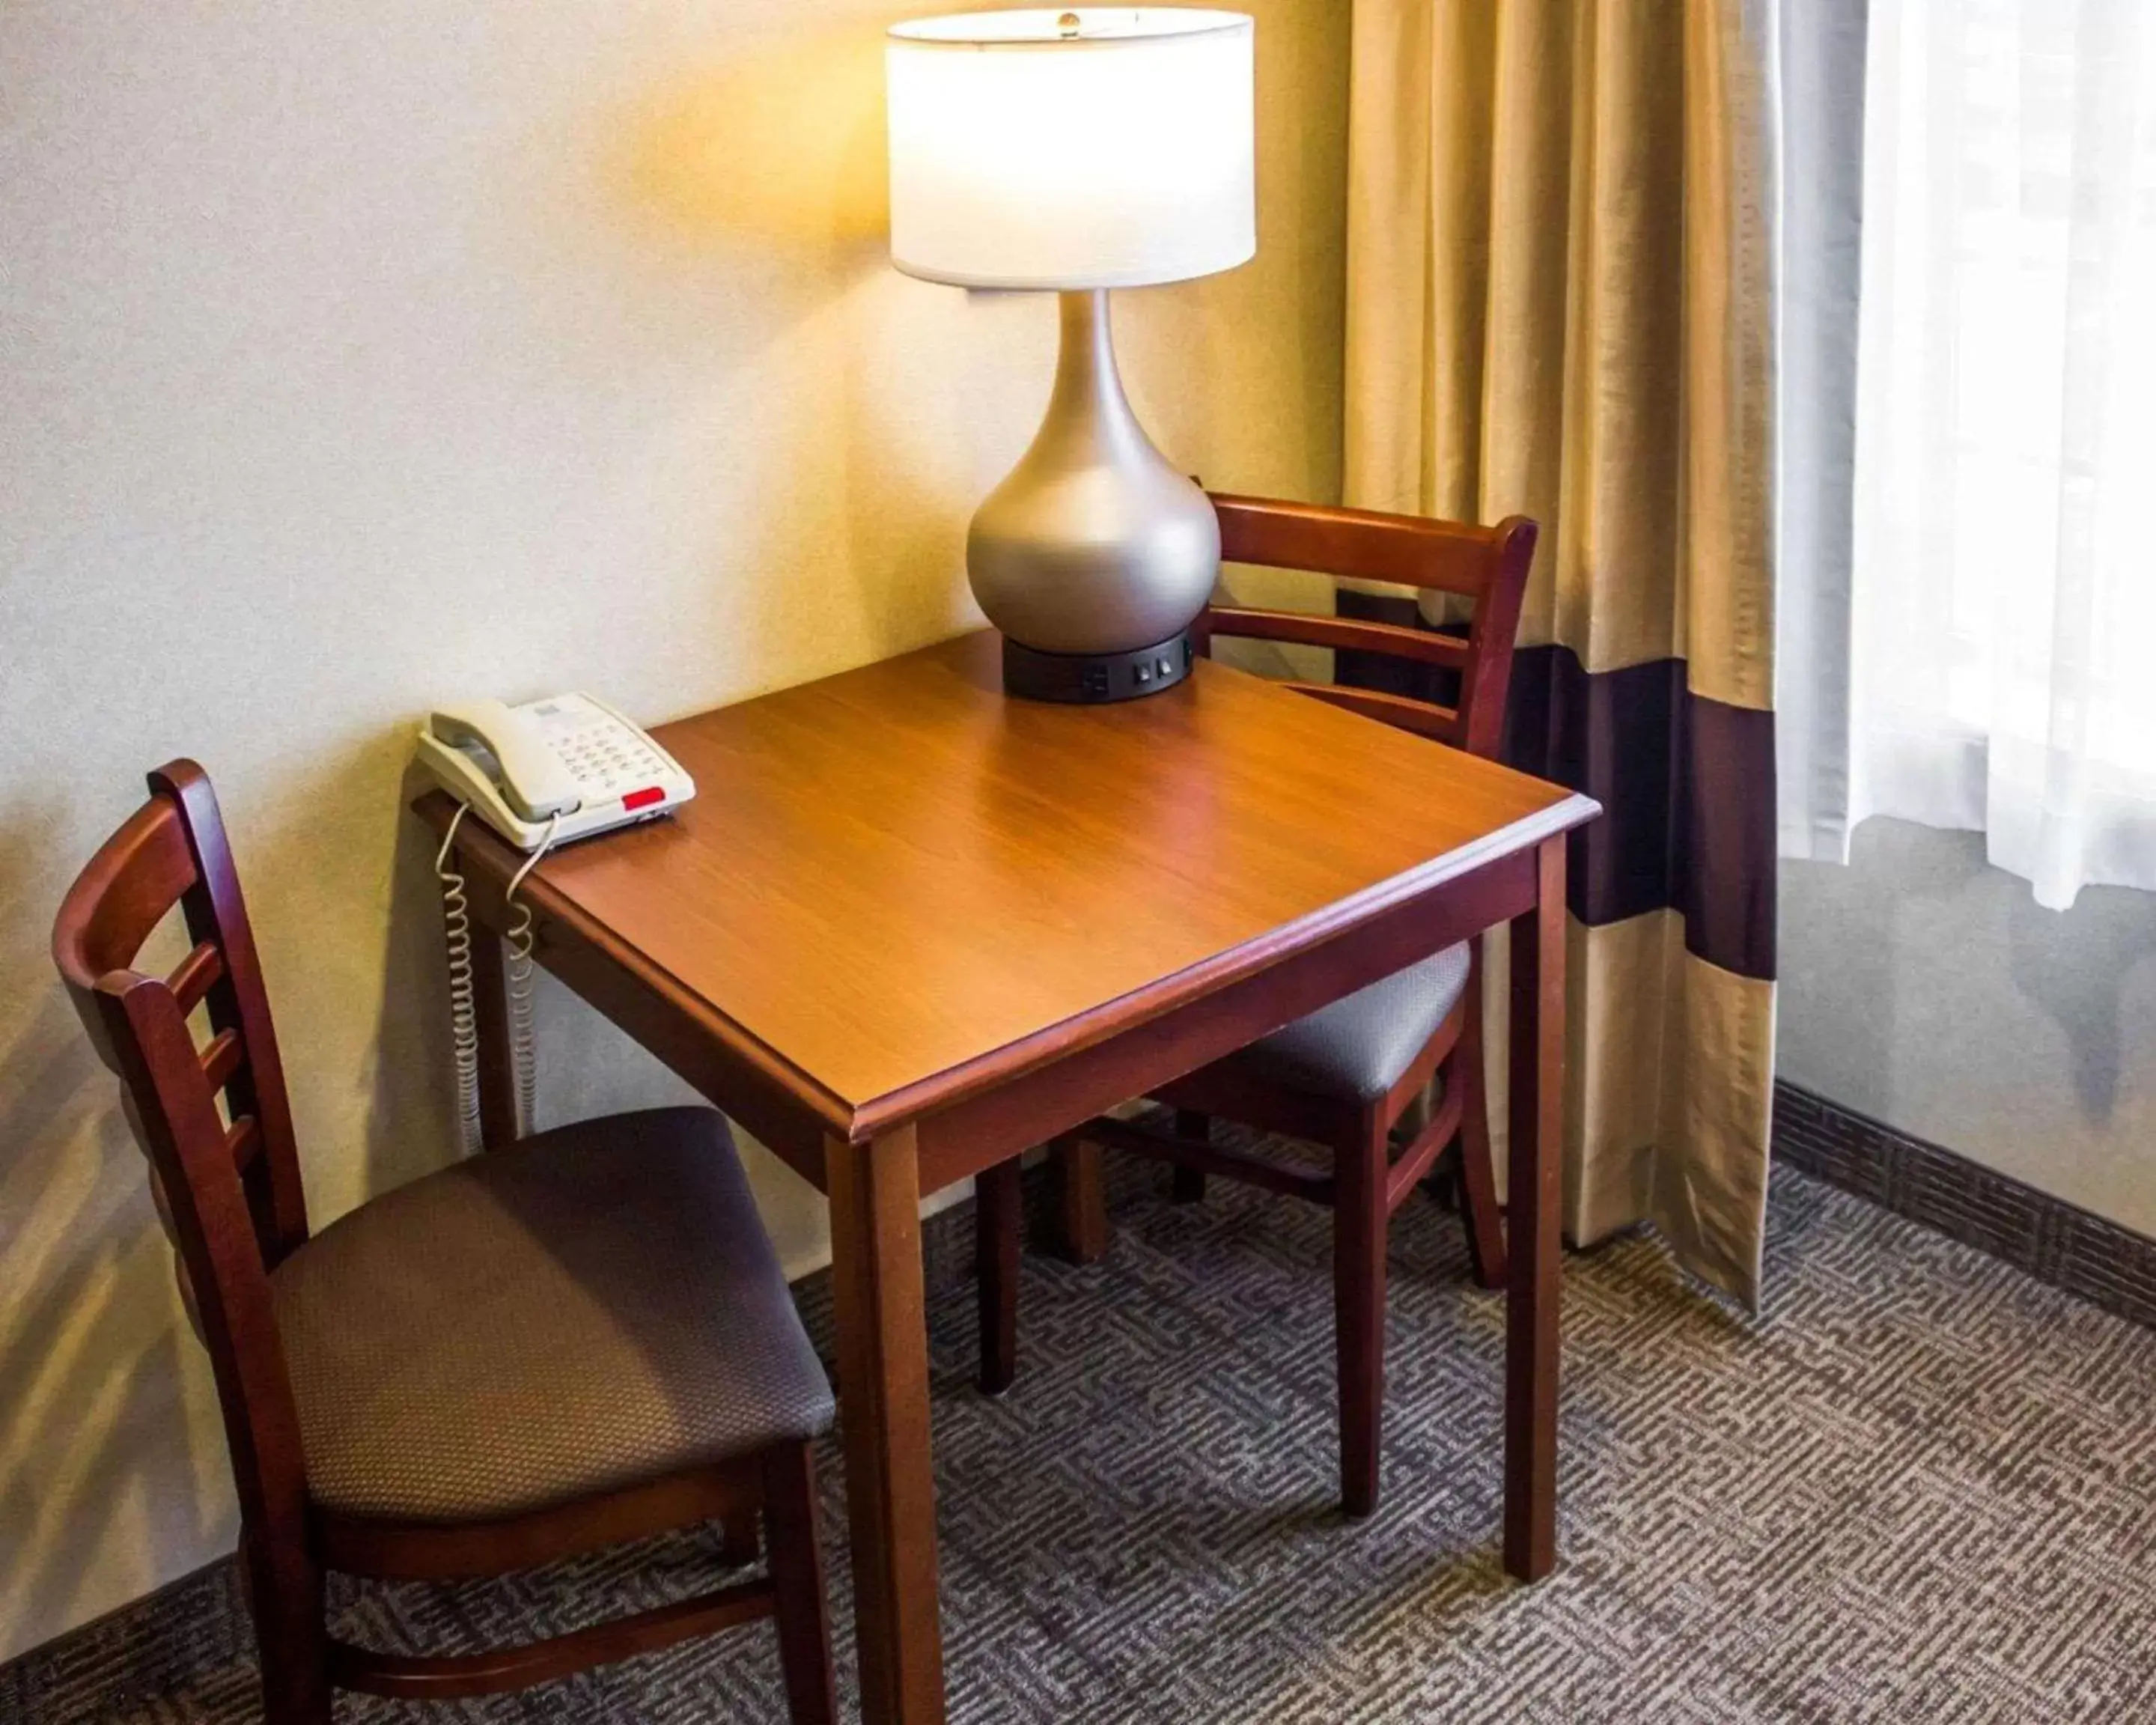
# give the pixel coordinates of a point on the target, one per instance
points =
(1359, 1219)
(285, 1595)
(1188, 1183)
(1082, 1201)
(797, 1581)
(1479, 1214)
(739, 1544)
(997, 1237)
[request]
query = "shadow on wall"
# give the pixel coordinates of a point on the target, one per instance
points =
(411, 1128)
(2077, 974)
(1921, 942)
(92, 1336)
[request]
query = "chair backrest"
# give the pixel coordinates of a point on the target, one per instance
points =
(226, 1180)
(1485, 565)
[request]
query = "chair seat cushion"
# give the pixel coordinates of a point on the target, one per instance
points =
(1359, 1046)
(589, 1309)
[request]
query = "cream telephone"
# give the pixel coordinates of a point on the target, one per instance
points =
(552, 770)
(539, 774)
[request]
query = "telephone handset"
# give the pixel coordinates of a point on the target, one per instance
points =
(552, 770)
(539, 774)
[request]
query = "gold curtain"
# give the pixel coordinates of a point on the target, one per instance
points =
(1560, 278)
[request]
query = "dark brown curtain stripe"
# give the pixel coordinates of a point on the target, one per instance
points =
(1686, 786)
(1438, 683)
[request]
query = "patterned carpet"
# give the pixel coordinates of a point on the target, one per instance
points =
(1921, 1487)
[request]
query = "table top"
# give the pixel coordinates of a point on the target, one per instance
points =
(901, 885)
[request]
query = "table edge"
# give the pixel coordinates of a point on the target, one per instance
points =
(1164, 994)
(880, 1114)
(549, 904)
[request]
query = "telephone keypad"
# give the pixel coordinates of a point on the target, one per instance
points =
(606, 762)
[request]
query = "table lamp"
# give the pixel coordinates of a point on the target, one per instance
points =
(1080, 150)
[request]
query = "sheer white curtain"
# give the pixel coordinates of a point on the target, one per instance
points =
(1820, 66)
(2002, 605)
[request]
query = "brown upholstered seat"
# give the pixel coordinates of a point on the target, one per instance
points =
(591, 1308)
(1358, 1046)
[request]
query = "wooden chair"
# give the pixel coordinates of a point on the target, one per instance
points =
(1346, 1076)
(580, 1339)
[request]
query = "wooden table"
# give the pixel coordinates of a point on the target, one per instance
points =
(910, 927)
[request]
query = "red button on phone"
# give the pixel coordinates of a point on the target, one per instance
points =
(643, 798)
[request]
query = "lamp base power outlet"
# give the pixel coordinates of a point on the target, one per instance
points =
(1086, 679)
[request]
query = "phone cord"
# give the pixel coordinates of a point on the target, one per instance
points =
(521, 938)
(463, 1015)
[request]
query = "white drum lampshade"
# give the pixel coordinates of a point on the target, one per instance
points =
(1080, 150)
(1029, 152)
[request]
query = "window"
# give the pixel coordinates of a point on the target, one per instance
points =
(2002, 602)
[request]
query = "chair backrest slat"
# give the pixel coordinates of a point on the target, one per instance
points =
(243, 1141)
(1425, 718)
(216, 913)
(192, 978)
(1342, 633)
(1487, 565)
(220, 1058)
(1355, 544)
(227, 1184)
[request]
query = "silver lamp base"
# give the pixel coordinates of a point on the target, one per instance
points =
(1094, 555)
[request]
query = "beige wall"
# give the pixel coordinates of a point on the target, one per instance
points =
(362, 357)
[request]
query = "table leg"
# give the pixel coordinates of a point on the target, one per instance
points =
(1082, 1197)
(1537, 1113)
(883, 1417)
(497, 1074)
(999, 1232)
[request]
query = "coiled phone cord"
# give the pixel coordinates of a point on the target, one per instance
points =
(463, 1013)
(520, 940)
(464, 993)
